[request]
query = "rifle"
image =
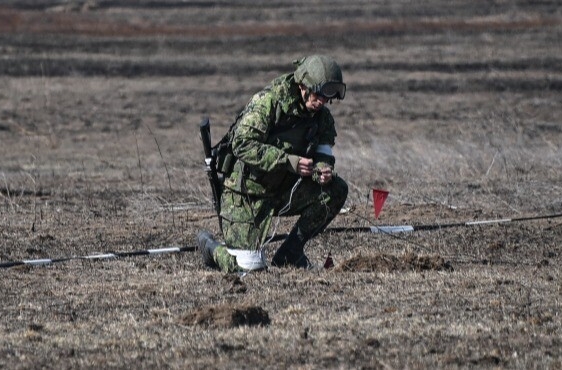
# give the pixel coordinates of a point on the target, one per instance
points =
(211, 166)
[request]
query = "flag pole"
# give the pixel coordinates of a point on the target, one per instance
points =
(107, 255)
(438, 226)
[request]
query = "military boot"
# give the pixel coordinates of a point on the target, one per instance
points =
(291, 252)
(207, 246)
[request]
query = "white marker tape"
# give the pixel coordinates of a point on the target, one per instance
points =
(392, 229)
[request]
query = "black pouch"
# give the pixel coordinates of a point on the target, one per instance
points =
(225, 158)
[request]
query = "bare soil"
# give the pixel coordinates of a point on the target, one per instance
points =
(452, 106)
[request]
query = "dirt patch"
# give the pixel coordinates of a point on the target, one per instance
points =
(228, 316)
(382, 262)
(236, 284)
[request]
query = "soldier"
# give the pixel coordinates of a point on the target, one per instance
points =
(283, 166)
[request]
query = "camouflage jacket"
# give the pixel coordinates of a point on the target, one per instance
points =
(270, 135)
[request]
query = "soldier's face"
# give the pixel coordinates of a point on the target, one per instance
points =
(313, 102)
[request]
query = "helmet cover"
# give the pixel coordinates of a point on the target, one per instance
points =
(321, 74)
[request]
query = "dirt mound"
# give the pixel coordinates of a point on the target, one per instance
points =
(227, 316)
(389, 263)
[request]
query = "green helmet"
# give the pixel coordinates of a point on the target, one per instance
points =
(322, 75)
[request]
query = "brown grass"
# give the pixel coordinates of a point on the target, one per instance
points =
(390, 263)
(83, 23)
(452, 107)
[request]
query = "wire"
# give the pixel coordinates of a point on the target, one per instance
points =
(419, 245)
(281, 212)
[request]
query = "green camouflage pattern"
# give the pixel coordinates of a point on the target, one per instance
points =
(316, 70)
(274, 127)
(317, 206)
(246, 219)
(225, 261)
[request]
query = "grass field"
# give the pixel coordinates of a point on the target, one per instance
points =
(452, 106)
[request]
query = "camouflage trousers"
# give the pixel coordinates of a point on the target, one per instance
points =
(246, 220)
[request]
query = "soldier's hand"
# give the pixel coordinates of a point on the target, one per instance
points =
(325, 175)
(304, 167)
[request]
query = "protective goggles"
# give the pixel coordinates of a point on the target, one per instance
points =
(330, 90)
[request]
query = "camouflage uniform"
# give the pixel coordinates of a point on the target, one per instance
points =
(271, 133)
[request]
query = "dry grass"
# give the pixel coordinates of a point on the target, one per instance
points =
(453, 108)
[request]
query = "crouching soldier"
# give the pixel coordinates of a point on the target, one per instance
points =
(283, 165)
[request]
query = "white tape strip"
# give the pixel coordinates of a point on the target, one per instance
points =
(324, 149)
(488, 222)
(38, 262)
(101, 256)
(392, 229)
(163, 250)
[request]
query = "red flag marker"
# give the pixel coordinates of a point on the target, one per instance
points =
(379, 197)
